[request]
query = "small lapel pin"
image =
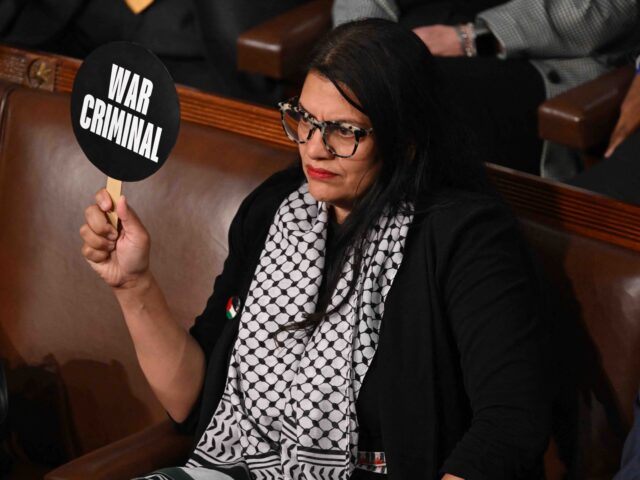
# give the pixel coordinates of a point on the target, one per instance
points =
(233, 307)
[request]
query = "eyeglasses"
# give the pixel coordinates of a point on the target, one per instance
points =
(339, 138)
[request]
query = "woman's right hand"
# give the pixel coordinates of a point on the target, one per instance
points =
(629, 120)
(120, 260)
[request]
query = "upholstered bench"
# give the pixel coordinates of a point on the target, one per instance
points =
(55, 313)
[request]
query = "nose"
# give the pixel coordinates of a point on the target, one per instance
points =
(315, 148)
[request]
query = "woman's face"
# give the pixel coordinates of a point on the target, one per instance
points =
(337, 181)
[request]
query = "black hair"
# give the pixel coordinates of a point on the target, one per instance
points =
(395, 82)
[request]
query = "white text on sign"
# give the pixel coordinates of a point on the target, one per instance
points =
(118, 125)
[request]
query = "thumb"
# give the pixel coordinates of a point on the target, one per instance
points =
(130, 221)
(610, 149)
(616, 139)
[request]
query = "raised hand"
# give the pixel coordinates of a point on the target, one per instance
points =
(120, 259)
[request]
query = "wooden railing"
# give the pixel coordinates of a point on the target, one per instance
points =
(541, 200)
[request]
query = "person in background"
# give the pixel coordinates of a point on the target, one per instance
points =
(630, 464)
(195, 39)
(502, 59)
(618, 174)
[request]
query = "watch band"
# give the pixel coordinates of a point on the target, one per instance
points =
(467, 36)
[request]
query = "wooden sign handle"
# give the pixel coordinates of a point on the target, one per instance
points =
(114, 187)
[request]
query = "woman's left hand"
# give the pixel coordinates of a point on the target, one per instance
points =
(442, 40)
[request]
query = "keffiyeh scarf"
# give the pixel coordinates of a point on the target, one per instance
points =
(289, 406)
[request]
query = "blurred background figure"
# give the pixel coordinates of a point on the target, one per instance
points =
(618, 174)
(196, 39)
(630, 468)
(502, 59)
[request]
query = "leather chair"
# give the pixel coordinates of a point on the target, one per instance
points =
(53, 308)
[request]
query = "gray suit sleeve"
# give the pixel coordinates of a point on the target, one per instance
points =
(559, 28)
(344, 11)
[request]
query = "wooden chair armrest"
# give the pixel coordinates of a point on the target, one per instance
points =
(584, 116)
(138, 454)
(278, 48)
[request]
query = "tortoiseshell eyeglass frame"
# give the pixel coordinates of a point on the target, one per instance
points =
(292, 104)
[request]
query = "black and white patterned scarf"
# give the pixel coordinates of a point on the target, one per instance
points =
(288, 411)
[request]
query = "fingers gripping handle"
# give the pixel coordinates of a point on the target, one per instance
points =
(114, 188)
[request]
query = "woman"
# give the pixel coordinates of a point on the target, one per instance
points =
(383, 318)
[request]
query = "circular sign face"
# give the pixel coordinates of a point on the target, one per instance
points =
(125, 111)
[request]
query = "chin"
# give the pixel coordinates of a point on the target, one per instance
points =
(321, 192)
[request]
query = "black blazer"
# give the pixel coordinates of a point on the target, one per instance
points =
(462, 361)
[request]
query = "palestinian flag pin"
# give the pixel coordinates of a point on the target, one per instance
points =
(233, 307)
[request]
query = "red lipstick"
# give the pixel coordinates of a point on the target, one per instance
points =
(319, 173)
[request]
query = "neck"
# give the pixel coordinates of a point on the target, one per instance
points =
(340, 214)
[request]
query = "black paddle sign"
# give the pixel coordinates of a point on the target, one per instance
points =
(125, 111)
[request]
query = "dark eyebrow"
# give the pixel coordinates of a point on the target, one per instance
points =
(353, 122)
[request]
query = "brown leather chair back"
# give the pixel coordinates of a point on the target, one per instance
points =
(54, 311)
(597, 286)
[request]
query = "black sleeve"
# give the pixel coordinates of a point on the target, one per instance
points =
(209, 324)
(247, 233)
(498, 320)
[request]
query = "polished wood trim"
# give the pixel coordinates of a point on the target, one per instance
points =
(569, 208)
(206, 109)
(558, 205)
(66, 74)
(246, 119)
(253, 121)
